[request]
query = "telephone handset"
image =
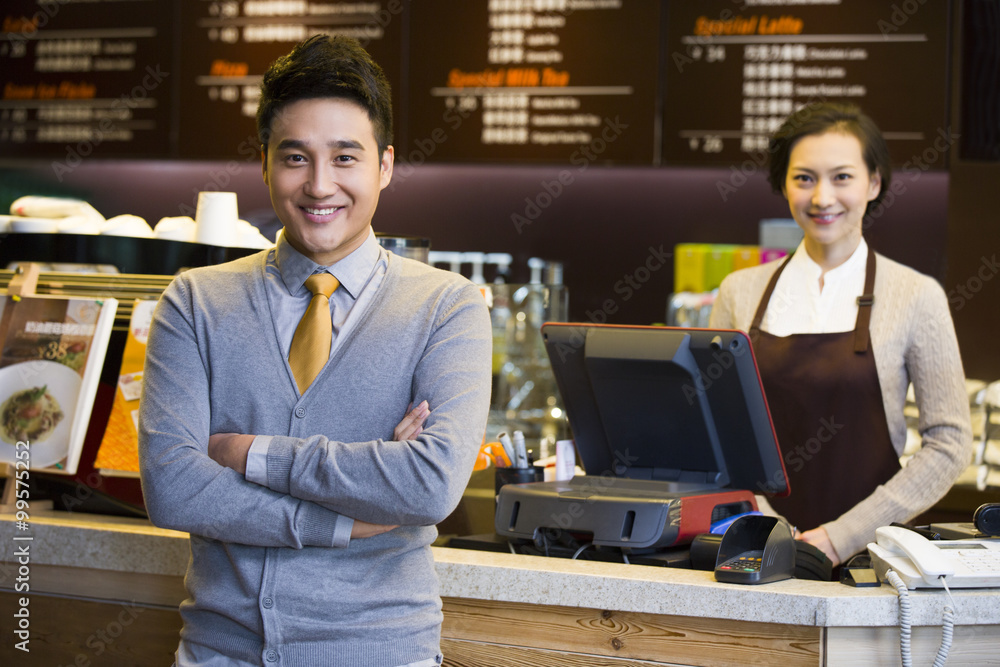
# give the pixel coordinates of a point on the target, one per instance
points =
(923, 563)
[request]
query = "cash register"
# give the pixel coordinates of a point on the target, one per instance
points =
(672, 428)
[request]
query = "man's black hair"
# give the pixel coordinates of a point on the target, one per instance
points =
(325, 66)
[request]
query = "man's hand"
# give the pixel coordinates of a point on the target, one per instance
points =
(819, 539)
(365, 529)
(412, 423)
(410, 427)
(230, 450)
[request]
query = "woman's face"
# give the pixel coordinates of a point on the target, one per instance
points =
(828, 188)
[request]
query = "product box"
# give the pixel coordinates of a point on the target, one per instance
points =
(771, 254)
(745, 256)
(718, 264)
(689, 267)
(783, 233)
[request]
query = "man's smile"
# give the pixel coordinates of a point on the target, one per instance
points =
(321, 211)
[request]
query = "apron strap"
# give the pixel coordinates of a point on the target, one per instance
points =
(754, 331)
(865, 302)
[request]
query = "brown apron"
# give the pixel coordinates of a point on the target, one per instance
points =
(826, 401)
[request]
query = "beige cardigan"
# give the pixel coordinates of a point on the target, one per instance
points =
(914, 341)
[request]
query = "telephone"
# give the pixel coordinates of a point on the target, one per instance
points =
(923, 563)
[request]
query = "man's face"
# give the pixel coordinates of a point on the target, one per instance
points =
(325, 174)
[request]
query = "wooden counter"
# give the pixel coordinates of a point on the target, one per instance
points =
(105, 590)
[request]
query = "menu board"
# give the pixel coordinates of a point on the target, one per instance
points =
(228, 44)
(577, 82)
(734, 71)
(571, 81)
(84, 79)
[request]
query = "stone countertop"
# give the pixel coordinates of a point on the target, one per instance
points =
(134, 546)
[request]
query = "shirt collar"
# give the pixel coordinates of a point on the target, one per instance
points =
(804, 264)
(352, 271)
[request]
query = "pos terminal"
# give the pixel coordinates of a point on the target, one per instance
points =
(672, 428)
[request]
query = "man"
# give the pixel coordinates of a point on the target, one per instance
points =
(310, 509)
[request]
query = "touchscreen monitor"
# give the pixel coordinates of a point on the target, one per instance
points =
(668, 404)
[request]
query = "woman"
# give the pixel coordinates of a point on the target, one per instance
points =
(839, 332)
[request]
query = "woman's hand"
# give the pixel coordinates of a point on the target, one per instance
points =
(819, 539)
(412, 424)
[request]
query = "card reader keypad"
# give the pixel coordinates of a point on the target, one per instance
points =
(747, 562)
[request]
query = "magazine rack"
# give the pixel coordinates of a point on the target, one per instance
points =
(52, 349)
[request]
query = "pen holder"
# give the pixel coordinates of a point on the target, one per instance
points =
(517, 476)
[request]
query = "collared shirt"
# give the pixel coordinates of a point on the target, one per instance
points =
(360, 275)
(798, 306)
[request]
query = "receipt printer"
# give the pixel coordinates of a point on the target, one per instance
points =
(671, 426)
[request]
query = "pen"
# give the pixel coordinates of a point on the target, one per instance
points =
(500, 458)
(519, 450)
(508, 448)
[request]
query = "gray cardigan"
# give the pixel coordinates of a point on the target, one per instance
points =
(264, 580)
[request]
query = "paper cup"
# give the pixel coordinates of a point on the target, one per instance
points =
(24, 225)
(180, 228)
(216, 218)
(248, 236)
(79, 224)
(127, 225)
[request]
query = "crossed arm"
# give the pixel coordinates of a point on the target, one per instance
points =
(231, 449)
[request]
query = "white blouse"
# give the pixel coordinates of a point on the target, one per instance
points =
(797, 305)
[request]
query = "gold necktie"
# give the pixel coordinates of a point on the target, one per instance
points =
(311, 343)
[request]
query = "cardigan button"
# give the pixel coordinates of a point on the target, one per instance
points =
(267, 602)
(300, 412)
(271, 655)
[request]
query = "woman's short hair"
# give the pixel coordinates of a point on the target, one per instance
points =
(820, 118)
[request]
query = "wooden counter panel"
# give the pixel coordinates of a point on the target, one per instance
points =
(459, 653)
(971, 645)
(149, 589)
(66, 631)
(641, 636)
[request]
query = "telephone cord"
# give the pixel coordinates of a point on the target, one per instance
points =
(947, 622)
(947, 628)
(904, 617)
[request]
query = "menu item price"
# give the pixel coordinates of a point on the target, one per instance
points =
(710, 143)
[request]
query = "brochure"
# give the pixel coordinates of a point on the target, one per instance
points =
(51, 355)
(118, 454)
